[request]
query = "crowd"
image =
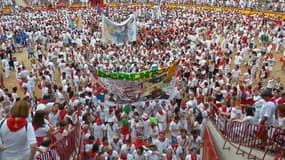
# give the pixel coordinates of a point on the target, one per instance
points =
(226, 58)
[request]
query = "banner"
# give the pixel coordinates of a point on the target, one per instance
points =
(79, 21)
(118, 33)
(125, 88)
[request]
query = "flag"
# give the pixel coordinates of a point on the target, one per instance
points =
(79, 21)
(99, 10)
(119, 33)
(107, 10)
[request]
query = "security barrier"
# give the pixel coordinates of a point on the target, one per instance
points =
(64, 148)
(254, 136)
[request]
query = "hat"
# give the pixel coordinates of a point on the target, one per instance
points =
(266, 93)
(153, 120)
(173, 140)
(99, 120)
(127, 108)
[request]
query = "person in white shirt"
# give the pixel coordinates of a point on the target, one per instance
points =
(175, 149)
(236, 72)
(6, 67)
(111, 129)
(139, 154)
(110, 153)
(18, 140)
(32, 82)
(174, 127)
(161, 117)
(99, 129)
(238, 59)
(162, 142)
(193, 155)
(267, 110)
(116, 143)
(266, 116)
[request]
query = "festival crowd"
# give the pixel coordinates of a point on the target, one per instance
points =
(226, 58)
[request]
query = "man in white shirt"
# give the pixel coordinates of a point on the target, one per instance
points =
(6, 67)
(174, 127)
(267, 110)
(266, 116)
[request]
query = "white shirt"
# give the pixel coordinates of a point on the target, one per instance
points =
(173, 126)
(162, 145)
(267, 110)
(98, 131)
(17, 143)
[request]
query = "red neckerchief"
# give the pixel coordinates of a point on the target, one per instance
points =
(61, 130)
(14, 124)
(193, 157)
(281, 101)
(175, 148)
(224, 109)
(118, 118)
(53, 111)
(11, 99)
(36, 127)
(84, 131)
(62, 114)
(161, 139)
(92, 154)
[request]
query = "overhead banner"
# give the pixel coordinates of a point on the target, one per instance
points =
(118, 33)
(125, 88)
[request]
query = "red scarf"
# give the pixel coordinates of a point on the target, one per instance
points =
(62, 114)
(14, 124)
(92, 154)
(36, 127)
(224, 109)
(61, 130)
(193, 157)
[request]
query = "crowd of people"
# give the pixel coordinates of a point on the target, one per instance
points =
(226, 58)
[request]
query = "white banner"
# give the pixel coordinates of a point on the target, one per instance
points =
(118, 33)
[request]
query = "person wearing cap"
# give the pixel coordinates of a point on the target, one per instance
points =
(154, 129)
(184, 115)
(176, 149)
(99, 129)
